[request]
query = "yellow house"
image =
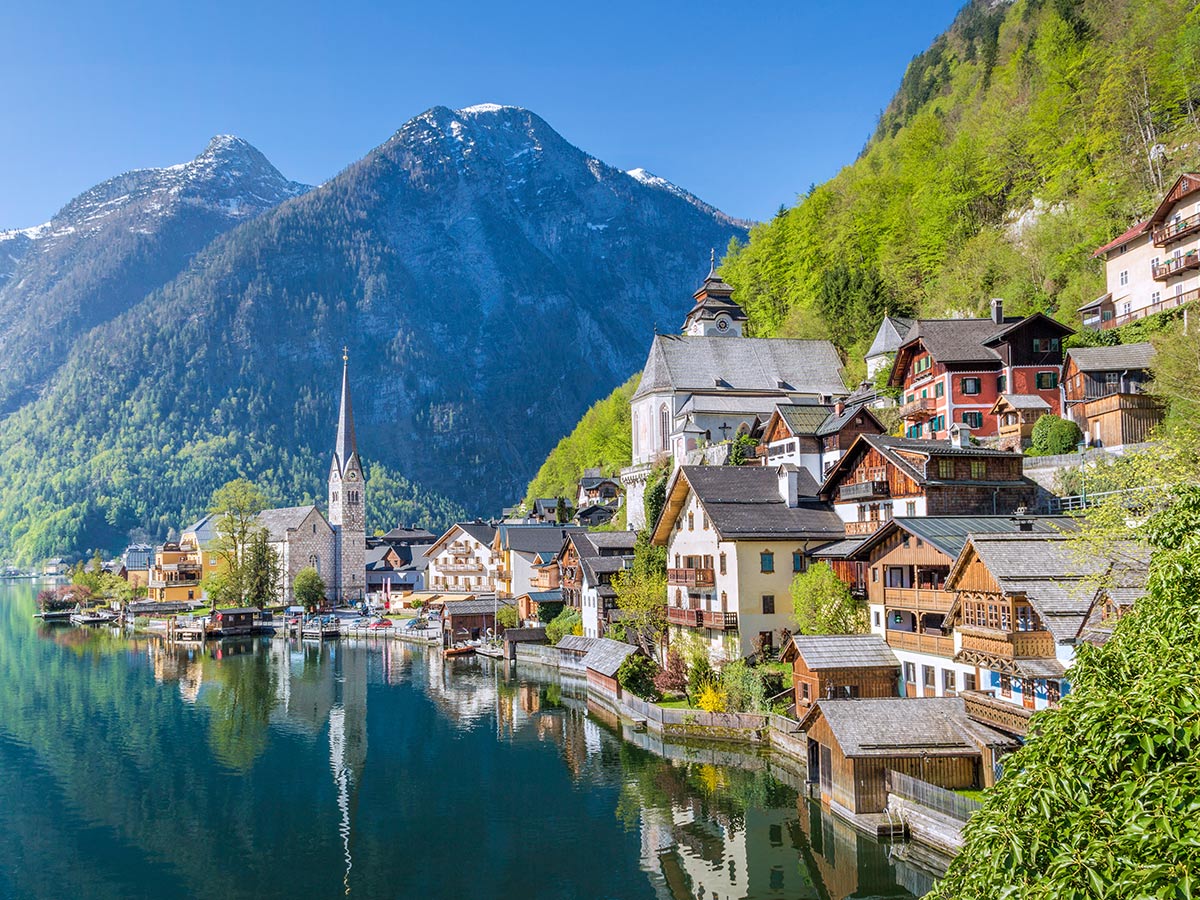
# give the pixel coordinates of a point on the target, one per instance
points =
(736, 536)
(179, 568)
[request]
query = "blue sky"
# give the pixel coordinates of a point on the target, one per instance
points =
(743, 104)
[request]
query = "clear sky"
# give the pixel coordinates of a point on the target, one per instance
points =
(744, 104)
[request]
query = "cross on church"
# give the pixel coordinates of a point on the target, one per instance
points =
(725, 429)
(345, 354)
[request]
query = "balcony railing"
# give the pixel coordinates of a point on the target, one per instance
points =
(462, 567)
(1160, 306)
(863, 528)
(1174, 265)
(1007, 717)
(918, 599)
(920, 408)
(721, 621)
(864, 490)
(689, 618)
(1007, 644)
(691, 577)
(1173, 231)
(935, 644)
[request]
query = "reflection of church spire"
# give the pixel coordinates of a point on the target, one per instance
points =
(348, 742)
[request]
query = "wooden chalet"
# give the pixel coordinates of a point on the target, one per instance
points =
(233, 622)
(1104, 393)
(814, 435)
(841, 667)
(1016, 414)
(531, 605)
(882, 477)
(853, 744)
(470, 620)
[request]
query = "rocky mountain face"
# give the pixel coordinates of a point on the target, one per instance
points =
(112, 245)
(490, 281)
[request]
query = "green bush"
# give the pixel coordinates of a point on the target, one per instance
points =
(700, 676)
(563, 624)
(506, 617)
(548, 612)
(309, 588)
(1053, 435)
(744, 691)
(636, 675)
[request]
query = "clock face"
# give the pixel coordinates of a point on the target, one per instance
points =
(351, 475)
(722, 324)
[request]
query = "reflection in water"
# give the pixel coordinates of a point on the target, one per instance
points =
(243, 769)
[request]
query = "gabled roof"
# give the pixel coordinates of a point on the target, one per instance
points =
(892, 332)
(777, 366)
(937, 726)
(1112, 359)
(802, 419)
(1123, 238)
(1186, 184)
(840, 651)
(480, 606)
(1020, 401)
(949, 533)
(534, 538)
(744, 503)
(279, 522)
(955, 340)
(606, 656)
(835, 423)
(204, 528)
(411, 535)
(1012, 326)
(888, 447)
(576, 643)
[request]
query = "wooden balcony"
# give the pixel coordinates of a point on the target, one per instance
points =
(865, 490)
(460, 567)
(918, 599)
(862, 528)
(721, 621)
(934, 644)
(691, 577)
(1007, 717)
(1007, 644)
(919, 409)
(1174, 231)
(688, 618)
(1173, 265)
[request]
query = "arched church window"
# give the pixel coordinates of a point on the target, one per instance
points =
(664, 425)
(314, 561)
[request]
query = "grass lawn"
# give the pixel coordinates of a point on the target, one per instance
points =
(681, 703)
(971, 795)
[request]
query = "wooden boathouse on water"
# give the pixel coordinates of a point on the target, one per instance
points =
(852, 744)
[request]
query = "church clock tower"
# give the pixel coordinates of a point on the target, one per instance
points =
(715, 313)
(346, 503)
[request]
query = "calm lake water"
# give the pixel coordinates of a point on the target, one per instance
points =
(268, 769)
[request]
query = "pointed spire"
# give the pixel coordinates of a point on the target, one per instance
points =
(346, 446)
(712, 261)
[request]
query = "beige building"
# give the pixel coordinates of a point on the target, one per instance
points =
(462, 560)
(1153, 266)
(736, 536)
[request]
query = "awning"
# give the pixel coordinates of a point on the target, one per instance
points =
(1099, 301)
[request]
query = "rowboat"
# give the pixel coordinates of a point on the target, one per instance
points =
(458, 650)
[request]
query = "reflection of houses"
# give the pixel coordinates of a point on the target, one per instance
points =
(736, 536)
(1104, 392)
(462, 561)
(882, 477)
(852, 744)
(841, 667)
(814, 436)
(710, 384)
(1020, 604)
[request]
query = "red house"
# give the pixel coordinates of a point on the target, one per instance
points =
(952, 371)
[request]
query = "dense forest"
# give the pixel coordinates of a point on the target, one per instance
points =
(1026, 136)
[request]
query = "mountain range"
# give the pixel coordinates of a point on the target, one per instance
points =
(172, 328)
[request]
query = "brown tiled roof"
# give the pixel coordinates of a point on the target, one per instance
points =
(1124, 238)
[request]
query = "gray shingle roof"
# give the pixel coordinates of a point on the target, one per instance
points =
(524, 635)
(480, 607)
(958, 340)
(693, 363)
(413, 535)
(803, 418)
(892, 332)
(842, 651)
(835, 423)
(839, 549)
(611, 540)
(481, 531)
(1024, 401)
(1112, 359)
(576, 643)
(279, 522)
(744, 502)
(949, 533)
(887, 726)
(606, 656)
(204, 528)
(888, 445)
(535, 538)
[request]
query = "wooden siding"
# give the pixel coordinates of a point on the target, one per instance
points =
(894, 552)
(866, 681)
(868, 466)
(1122, 418)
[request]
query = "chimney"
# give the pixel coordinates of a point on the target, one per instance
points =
(998, 310)
(789, 485)
(1023, 522)
(839, 407)
(960, 436)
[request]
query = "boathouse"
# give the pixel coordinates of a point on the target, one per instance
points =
(852, 744)
(470, 620)
(229, 622)
(602, 663)
(841, 667)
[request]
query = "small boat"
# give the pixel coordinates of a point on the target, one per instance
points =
(92, 617)
(458, 650)
(491, 650)
(54, 615)
(323, 629)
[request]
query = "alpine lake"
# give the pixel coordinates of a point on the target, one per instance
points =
(270, 768)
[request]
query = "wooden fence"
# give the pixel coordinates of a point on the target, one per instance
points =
(948, 803)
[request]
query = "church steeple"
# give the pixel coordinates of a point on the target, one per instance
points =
(715, 311)
(346, 447)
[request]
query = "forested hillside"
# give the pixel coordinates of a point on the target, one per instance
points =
(1024, 137)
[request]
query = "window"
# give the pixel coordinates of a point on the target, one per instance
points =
(804, 690)
(664, 425)
(910, 508)
(722, 559)
(705, 520)
(314, 528)
(877, 622)
(969, 681)
(939, 389)
(768, 604)
(1045, 345)
(970, 385)
(1047, 381)
(678, 565)
(691, 521)
(1156, 296)
(1001, 384)
(1123, 278)
(766, 561)
(875, 574)
(929, 676)
(972, 419)
(912, 397)
(923, 364)
(910, 672)
(945, 468)
(1005, 685)
(948, 681)
(978, 470)
(1053, 690)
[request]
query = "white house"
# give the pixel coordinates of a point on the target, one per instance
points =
(461, 560)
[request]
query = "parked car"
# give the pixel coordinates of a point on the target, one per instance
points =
(382, 623)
